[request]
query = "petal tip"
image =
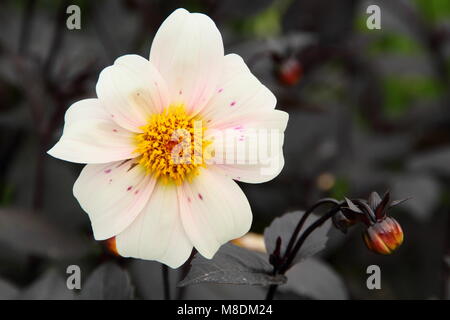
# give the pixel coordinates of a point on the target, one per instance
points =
(54, 152)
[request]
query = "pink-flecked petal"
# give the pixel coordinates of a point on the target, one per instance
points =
(188, 52)
(132, 90)
(157, 233)
(90, 136)
(243, 106)
(239, 94)
(214, 210)
(113, 195)
(250, 148)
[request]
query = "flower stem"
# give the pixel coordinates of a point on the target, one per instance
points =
(165, 274)
(271, 292)
(305, 235)
(291, 253)
(184, 270)
(300, 224)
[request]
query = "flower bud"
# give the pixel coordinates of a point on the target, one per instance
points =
(290, 72)
(384, 236)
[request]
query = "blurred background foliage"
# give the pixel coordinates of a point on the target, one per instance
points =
(369, 110)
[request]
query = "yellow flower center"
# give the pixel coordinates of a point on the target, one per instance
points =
(172, 145)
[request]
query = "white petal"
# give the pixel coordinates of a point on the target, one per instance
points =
(90, 136)
(244, 106)
(214, 210)
(157, 233)
(254, 173)
(131, 90)
(239, 94)
(188, 52)
(251, 150)
(113, 195)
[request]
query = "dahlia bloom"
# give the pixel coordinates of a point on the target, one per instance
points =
(158, 207)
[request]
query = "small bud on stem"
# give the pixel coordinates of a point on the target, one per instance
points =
(382, 235)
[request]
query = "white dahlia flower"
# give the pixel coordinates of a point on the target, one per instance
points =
(135, 187)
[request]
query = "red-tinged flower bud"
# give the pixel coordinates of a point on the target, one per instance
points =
(290, 72)
(384, 236)
(111, 246)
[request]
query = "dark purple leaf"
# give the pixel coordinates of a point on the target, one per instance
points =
(380, 210)
(424, 190)
(374, 201)
(397, 202)
(315, 279)
(50, 286)
(232, 265)
(216, 291)
(352, 206)
(107, 282)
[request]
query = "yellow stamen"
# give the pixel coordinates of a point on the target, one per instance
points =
(171, 146)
